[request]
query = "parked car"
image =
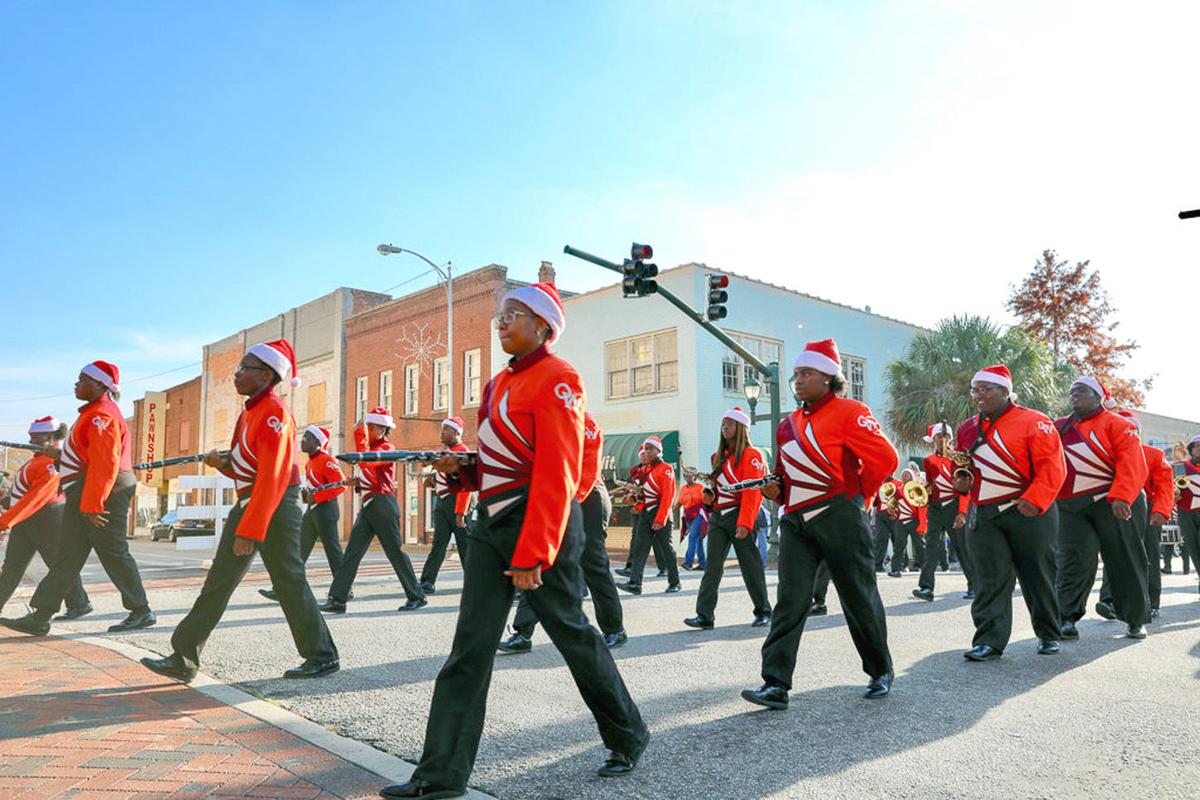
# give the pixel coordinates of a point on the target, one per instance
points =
(170, 527)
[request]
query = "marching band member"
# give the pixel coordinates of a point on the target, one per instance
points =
(96, 472)
(691, 502)
(596, 508)
(946, 514)
(379, 517)
(449, 512)
(636, 474)
(732, 523)
(262, 464)
(1017, 468)
(909, 528)
(34, 519)
(320, 520)
(1188, 504)
(529, 536)
(1105, 462)
(658, 497)
(884, 529)
(830, 455)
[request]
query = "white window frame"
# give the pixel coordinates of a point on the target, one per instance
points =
(385, 389)
(655, 365)
(850, 366)
(441, 384)
(361, 384)
(412, 388)
(755, 344)
(472, 376)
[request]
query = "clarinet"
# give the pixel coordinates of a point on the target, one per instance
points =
(752, 483)
(406, 456)
(37, 448)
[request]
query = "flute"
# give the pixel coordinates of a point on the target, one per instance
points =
(170, 462)
(407, 456)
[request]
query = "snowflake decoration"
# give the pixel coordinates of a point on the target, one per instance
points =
(418, 345)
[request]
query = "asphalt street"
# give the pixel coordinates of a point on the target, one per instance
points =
(1108, 717)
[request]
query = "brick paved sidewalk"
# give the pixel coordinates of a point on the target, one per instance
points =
(80, 721)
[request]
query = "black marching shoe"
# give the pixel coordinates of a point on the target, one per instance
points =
(270, 594)
(1047, 647)
(419, 789)
(32, 624)
(1165, 570)
(818, 609)
(969, 594)
(313, 668)
(982, 652)
(1135, 632)
(76, 613)
(1106, 610)
(618, 764)
(428, 588)
(135, 621)
(761, 621)
(673, 588)
(517, 643)
(699, 622)
(614, 640)
(170, 667)
(622, 571)
(767, 695)
(880, 687)
(1069, 631)
(895, 574)
(923, 594)
(413, 605)
(632, 588)
(662, 573)
(333, 606)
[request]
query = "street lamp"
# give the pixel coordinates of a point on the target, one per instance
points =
(752, 389)
(447, 275)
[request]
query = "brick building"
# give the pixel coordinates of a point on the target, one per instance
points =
(164, 425)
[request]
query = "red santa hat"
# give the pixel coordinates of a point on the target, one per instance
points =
(1096, 386)
(1129, 415)
(938, 428)
(44, 425)
(1192, 441)
(380, 416)
(737, 415)
(997, 374)
(543, 300)
(822, 356)
(280, 357)
(653, 441)
(320, 434)
(105, 373)
(454, 422)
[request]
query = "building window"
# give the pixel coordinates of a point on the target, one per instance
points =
(471, 377)
(360, 397)
(855, 369)
(315, 408)
(441, 384)
(185, 435)
(735, 371)
(385, 389)
(412, 376)
(642, 365)
(221, 430)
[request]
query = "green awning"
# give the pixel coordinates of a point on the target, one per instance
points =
(621, 451)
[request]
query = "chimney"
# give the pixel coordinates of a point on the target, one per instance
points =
(546, 272)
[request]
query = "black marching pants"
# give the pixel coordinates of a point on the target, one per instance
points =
(660, 539)
(941, 524)
(663, 552)
(1007, 546)
(839, 536)
(321, 522)
(1189, 529)
(379, 517)
(721, 529)
(456, 715)
(443, 529)
(280, 552)
(884, 532)
(821, 585)
(904, 532)
(41, 534)
(1152, 541)
(594, 566)
(1087, 525)
(80, 537)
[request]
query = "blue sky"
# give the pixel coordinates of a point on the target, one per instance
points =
(172, 173)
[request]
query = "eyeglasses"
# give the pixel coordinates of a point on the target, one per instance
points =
(249, 366)
(508, 317)
(990, 387)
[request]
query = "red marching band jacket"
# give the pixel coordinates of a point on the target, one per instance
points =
(443, 489)
(375, 477)
(1160, 482)
(1016, 455)
(658, 491)
(751, 465)
(36, 485)
(832, 448)
(262, 461)
(906, 512)
(593, 448)
(96, 450)
(530, 434)
(1189, 496)
(1104, 456)
(939, 474)
(637, 476)
(321, 469)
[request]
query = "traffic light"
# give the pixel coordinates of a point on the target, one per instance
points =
(639, 276)
(717, 296)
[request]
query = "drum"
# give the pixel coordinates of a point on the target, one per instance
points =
(1171, 534)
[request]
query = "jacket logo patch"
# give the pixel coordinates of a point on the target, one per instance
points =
(869, 422)
(1046, 427)
(754, 462)
(100, 423)
(275, 424)
(570, 399)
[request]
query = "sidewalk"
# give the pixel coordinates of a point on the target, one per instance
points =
(81, 721)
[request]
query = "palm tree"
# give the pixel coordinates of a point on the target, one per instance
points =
(932, 380)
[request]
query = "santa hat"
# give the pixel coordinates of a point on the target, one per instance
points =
(279, 356)
(737, 415)
(380, 416)
(1096, 386)
(543, 300)
(822, 356)
(44, 425)
(454, 422)
(997, 373)
(320, 434)
(653, 441)
(1129, 415)
(105, 373)
(939, 428)
(1192, 441)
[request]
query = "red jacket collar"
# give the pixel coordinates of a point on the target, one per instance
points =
(527, 361)
(814, 407)
(1092, 415)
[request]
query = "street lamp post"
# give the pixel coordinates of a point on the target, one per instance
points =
(447, 275)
